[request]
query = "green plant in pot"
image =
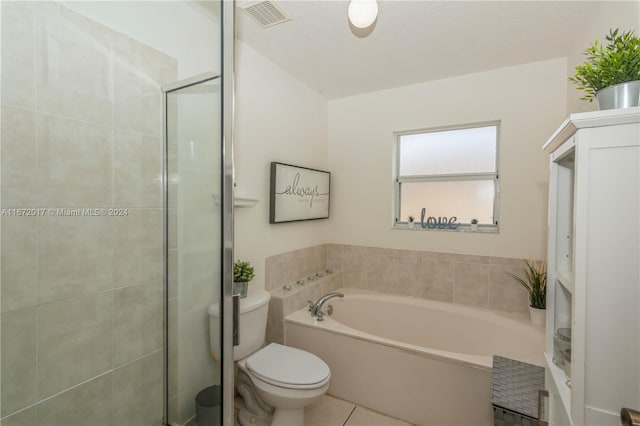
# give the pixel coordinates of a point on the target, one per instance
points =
(611, 72)
(242, 274)
(536, 285)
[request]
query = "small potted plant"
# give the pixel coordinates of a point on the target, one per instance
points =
(242, 274)
(410, 221)
(611, 72)
(474, 224)
(536, 285)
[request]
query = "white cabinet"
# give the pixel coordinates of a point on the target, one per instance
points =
(594, 266)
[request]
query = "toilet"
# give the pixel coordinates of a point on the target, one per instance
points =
(276, 381)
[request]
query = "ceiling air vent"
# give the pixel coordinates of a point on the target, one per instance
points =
(266, 13)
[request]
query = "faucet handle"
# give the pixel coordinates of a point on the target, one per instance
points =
(310, 305)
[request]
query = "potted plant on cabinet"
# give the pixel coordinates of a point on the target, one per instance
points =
(611, 72)
(474, 224)
(242, 274)
(536, 285)
(410, 221)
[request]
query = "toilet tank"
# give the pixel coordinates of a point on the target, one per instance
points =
(252, 325)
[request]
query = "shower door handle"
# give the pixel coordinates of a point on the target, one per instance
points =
(236, 318)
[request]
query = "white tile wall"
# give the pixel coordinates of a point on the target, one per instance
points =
(81, 296)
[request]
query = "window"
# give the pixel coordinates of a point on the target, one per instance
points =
(450, 172)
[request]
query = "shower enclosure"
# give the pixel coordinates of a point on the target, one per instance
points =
(116, 193)
(194, 218)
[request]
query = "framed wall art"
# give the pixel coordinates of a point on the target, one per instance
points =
(298, 193)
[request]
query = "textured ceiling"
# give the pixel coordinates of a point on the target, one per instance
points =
(414, 41)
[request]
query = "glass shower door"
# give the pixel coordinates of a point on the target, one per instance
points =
(194, 245)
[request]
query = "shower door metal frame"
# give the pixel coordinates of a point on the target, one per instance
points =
(228, 84)
(227, 33)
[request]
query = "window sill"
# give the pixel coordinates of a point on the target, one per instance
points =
(483, 229)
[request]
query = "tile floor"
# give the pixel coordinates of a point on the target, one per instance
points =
(330, 411)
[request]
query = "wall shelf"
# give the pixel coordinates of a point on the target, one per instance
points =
(566, 279)
(244, 202)
(238, 201)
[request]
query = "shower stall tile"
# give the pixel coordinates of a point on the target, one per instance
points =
(18, 360)
(18, 65)
(74, 342)
(87, 404)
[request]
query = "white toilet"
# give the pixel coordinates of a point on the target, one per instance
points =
(287, 379)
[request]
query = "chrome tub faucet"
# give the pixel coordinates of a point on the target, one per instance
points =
(316, 307)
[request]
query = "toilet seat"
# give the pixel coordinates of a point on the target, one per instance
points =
(288, 367)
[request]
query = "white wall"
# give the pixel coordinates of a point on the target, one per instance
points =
(277, 118)
(613, 14)
(530, 102)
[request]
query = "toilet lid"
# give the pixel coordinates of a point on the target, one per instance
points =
(288, 367)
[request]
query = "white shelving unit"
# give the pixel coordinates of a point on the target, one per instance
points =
(594, 266)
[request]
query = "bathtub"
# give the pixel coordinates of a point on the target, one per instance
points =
(422, 361)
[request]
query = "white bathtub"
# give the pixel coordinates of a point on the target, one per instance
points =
(422, 361)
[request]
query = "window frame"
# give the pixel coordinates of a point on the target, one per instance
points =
(399, 223)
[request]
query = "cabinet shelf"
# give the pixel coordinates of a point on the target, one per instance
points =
(566, 279)
(560, 379)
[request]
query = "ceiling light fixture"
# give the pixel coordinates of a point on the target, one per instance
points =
(363, 13)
